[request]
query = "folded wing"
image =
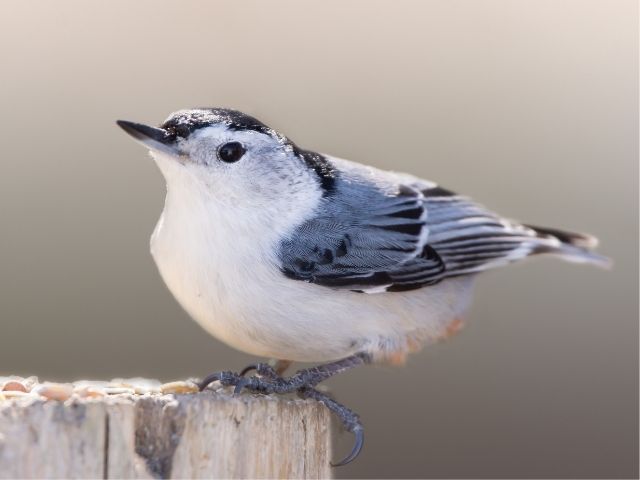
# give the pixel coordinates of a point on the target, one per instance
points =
(374, 240)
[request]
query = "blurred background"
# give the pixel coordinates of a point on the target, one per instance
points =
(530, 107)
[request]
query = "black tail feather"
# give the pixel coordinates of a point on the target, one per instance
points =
(580, 240)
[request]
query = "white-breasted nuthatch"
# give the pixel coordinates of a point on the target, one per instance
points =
(298, 256)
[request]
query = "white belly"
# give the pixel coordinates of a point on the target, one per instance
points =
(237, 293)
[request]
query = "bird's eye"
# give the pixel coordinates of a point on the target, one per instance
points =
(231, 152)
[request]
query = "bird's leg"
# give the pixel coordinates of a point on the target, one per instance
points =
(264, 370)
(268, 381)
(303, 382)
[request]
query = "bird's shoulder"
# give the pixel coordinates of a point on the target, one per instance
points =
(386, 182)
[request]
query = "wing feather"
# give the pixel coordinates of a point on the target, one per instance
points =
(374, 237)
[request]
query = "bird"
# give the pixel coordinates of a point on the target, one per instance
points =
(298, 256)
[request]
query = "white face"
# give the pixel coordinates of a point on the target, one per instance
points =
(237, 166)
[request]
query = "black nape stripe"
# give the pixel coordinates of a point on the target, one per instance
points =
(323, 168)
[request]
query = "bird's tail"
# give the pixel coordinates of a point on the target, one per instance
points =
(571, 246)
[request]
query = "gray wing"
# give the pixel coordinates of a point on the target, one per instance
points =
(370, 239)
(364, 239)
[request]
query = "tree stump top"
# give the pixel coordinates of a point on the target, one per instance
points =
(140, 429)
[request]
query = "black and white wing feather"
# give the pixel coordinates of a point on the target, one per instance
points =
(373, 239)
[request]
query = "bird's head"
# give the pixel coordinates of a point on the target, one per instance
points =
(232, 157)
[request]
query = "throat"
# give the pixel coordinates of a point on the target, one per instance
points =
(205, 245)
(199, 232)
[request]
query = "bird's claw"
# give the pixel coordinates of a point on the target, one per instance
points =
(350, 421)
(355, 451)
(249, 368)
(225, 378)
(238, 381)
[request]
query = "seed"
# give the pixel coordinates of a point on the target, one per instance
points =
(88, 392)
(14, 386)
(54, 391)
(179, 387)
(118, 390)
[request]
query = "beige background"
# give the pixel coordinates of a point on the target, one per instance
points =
(531, 107)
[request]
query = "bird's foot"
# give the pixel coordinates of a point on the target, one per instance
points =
(267, 381)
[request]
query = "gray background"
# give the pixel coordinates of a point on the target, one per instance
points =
(530, 107)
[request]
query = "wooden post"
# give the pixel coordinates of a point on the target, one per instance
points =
(156, 435)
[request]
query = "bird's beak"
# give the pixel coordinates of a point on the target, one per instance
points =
(151, 137)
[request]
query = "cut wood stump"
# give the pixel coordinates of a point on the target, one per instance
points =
(122, 432)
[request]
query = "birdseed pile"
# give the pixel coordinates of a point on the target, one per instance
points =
(15, 387)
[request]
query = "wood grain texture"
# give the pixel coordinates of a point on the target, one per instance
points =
(205, 435)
